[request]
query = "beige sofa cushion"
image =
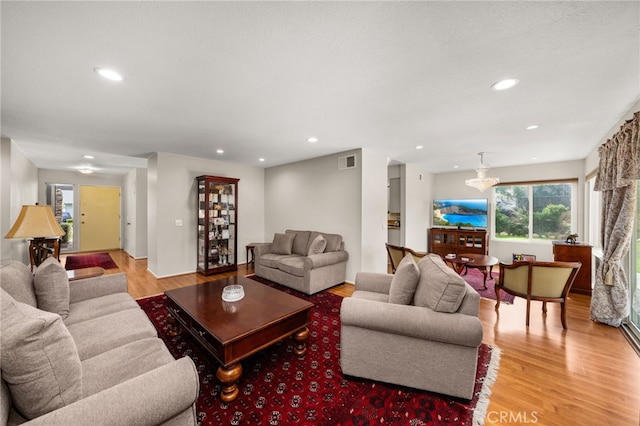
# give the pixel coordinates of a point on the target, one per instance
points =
(17, 280)
(293, 265)
(40, 363)
(334, 241)
(404, 282)
(439, 287)
(300, 242)
(271, 260)
(51, 284)
(317, 246)
(282, 243)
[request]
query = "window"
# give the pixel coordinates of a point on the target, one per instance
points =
(60, 197)
(535, 212)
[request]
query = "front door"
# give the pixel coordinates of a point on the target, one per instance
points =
(99, 218)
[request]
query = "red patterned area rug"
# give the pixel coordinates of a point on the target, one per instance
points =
(474, 277)
(278, 388)
(89, 260)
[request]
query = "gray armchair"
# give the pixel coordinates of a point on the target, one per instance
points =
(430, 342)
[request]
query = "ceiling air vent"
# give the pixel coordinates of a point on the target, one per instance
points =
(347, 162)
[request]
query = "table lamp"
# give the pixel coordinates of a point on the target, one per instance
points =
(38, 224)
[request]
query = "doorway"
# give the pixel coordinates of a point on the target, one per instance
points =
(99, 218)
(60, 197)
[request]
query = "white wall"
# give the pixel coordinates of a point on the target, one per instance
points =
(5, 198)
(315, 195)
(451, 185)
(172, 196)
(152, 215)
(19, 187)
(373, 213)
(417, 211)
(134, 198)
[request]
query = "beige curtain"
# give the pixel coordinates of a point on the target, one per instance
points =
(617, 177)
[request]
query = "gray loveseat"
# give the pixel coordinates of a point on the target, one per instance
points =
(306, 261)
(418, 328)
(83, 352)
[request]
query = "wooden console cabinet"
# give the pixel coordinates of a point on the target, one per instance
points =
(444, 241)
(576, 253)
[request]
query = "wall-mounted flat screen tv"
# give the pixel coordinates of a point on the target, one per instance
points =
(467, 213)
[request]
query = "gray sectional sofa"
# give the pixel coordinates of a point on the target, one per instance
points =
(417, 328)
(307, 261)
(83, 352)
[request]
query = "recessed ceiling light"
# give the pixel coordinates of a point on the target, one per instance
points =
(109, 74)
(261, 159)
(86, 171)
(505, 84)
(534, 158)
(532, 127)
(312, 140)
(419, 147)
(220, 151)
(89, 157)
(455, 167)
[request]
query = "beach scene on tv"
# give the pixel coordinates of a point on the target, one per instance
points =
(467, 213)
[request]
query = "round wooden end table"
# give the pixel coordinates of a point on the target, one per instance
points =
(483, 262)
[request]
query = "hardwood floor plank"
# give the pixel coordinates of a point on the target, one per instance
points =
(586, 375)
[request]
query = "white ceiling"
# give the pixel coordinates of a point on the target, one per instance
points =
(257, 78)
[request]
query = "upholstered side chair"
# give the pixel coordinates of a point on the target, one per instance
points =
(396, 253)
(417, 255)
(541, 281)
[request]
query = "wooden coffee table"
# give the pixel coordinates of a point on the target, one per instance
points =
(461, 262)
(232, 331)
(82, 273)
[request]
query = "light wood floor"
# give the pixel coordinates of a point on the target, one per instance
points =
(586, 375)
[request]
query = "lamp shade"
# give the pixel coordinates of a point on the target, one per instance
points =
(35, 222)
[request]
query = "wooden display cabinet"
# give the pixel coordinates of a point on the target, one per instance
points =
(217, 224)
(566, 252)
(443, 241)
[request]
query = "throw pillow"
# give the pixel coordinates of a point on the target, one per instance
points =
(317, 245)
(404, 281)
(40, 362)
(334, 241)
(300, 242)
(52, 287)
(282, 243)
(439, 287)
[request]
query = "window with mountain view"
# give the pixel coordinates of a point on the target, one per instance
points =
(541, 211)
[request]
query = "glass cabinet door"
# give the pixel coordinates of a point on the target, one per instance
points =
(217, 224)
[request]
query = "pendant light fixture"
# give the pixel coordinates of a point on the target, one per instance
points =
(482, 182)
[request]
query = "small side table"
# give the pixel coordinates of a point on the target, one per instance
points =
(82, 273)
(249, 249)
